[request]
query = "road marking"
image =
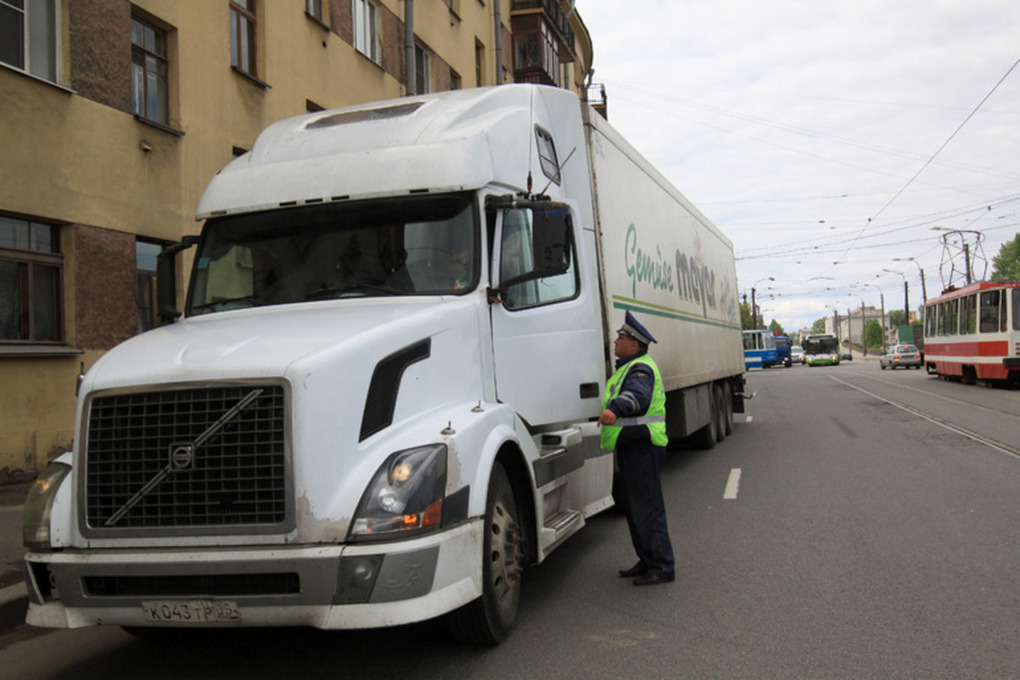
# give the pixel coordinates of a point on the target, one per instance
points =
(732, 485)
(990, 443)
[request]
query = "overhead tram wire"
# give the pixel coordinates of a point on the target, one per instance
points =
(934, 155)
(800, 131)
(916, 223)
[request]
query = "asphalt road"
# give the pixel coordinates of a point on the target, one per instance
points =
(861, 537)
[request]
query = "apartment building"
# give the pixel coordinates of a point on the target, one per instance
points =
(115, 114)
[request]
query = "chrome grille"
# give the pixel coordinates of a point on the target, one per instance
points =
(200, 459)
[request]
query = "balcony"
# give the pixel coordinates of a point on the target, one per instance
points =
(557, 19)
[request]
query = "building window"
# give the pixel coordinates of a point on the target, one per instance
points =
(145, 267)
(366, 28)
(149, 70)
(242, 35)
(422, 70)
(28, 36)
(313, 8)
(455, 83)
(30, 282)
(479, 63)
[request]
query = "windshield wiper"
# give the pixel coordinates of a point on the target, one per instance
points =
(327, 292)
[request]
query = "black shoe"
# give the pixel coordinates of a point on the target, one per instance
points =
(637, 570)
(653, 579)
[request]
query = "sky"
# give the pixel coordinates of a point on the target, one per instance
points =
(826, 138)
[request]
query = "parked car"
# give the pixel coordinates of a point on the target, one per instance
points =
(796, 354)
(847, 356)
(900, 355)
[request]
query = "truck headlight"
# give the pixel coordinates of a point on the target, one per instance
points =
(35, 518)
(405, 495)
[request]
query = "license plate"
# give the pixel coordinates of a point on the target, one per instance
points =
(191, 611)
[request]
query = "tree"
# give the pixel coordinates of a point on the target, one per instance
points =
(776, 326)
(897, 318)
(745, 316)
(872, 334)
(1006, 265)
(818, 327)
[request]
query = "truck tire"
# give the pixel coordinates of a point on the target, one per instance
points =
(706, 438)
(488, 619)
(720, 412)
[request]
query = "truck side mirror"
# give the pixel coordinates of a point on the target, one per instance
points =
(551, 242)
(166, 279)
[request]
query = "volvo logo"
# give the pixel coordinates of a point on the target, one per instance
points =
(181, 456)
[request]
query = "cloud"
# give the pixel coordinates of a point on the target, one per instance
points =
(814, 133)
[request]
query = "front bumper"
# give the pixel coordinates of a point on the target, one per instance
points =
(352, 586)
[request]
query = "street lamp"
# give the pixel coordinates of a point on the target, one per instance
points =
(754, 312)
(906, 295)
(881, 297)
(835, 321)
(924, 290)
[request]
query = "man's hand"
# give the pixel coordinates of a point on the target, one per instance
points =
(607, 418)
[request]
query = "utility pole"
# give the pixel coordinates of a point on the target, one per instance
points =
(754, 312)
(906, 295)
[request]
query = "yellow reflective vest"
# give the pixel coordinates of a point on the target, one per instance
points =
(654, 418)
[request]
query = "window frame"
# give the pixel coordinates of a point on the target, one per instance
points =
(422, 69)
(244, 23)
(313, 8)
(529, 294)
(27, 260)
(548, 157)
(45, 26)
(141, 53)
(145, 291)
(479, 63)
(365, 20)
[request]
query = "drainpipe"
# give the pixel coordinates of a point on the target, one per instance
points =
(499, 41)
(409, 46)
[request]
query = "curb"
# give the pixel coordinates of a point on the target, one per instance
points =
(13, 607)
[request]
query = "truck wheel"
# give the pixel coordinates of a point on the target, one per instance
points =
(706, 438)
(488, 619)
(720, 413)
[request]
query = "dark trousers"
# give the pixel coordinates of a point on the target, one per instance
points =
(646, 511)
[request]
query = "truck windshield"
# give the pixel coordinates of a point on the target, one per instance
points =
(407, 246)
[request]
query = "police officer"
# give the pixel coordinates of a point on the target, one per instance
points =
(633, 423)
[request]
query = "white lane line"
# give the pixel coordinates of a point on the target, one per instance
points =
(732, 485)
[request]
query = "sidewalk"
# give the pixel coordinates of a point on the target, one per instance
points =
(13, 595)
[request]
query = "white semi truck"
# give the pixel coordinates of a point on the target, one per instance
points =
(378, 406)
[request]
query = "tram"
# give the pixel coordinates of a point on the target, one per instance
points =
(972, 333)
(759, 349)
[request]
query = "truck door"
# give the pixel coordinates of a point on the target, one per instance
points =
(547, 337)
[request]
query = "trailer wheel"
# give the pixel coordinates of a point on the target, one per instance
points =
(488, 619)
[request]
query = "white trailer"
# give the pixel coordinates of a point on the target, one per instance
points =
(378, 406)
